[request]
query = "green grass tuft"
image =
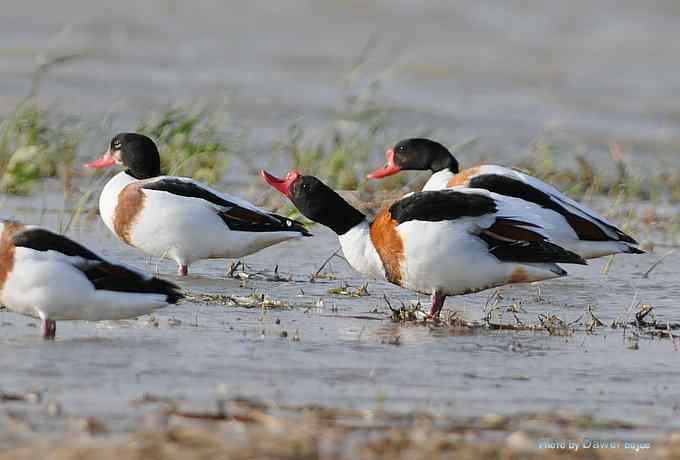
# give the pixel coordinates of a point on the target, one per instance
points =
(32, 148)
(350, 146)
(191, 144)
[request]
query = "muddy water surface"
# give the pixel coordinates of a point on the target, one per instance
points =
(346, 352)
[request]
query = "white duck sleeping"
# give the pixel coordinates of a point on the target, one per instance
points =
(48, 276)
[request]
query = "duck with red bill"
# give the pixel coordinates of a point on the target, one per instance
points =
(178, 217)
(440, 243)
(104, 161)
(282, 185)
(389, 169)
(568, 223)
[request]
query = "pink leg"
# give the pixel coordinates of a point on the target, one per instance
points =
(49, 328)
(182, 270)
(437, 304)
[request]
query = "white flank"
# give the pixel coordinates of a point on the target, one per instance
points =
(360, 252)
(446, 257)
(48, 285)
(439, 180)
(186, 229)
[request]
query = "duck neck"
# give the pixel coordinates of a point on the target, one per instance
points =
(439, 180)
(108, 200)
(346, 219)
(141, 175)
(332, 211)
(359, 250)
(444, 162)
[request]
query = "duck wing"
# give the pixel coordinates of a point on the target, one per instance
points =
(102, 274)
(509, 237)
(236, 213)
(587, 224)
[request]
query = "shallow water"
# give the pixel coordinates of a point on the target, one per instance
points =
(349, 353)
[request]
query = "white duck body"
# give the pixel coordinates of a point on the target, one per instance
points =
(448, 256)
(183, 228)
(439, 180)
(49, 286)
(557, 228)
(360, 252)
(462, 263)
(48, 276)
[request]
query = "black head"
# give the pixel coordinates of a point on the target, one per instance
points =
(416, 154)
(316, 201)
(138, 153)
(135, 151)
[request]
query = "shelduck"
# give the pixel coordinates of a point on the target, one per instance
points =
(566, 222)
(439, 243)
(48, 276)
(177, 217)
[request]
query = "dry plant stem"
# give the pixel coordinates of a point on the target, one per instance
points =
(657, 263)
(325, 262)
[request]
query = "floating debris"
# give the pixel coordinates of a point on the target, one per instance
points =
(645, 309)
(594, 322)
(148, 398)
(392, 340)
(254, 300)
(328, 276)
(348, 291)
(641, 326)
(407, 313)
(243, 275)
(32, 397)
(174, 322)
(555, 325)
(151, 321)
(324, 276)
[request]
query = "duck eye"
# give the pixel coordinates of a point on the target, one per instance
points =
(401, 148)
(116, 145)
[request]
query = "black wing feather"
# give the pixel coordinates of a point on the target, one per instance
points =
(111, 277)
(282, 224)
(102, 274)
(188, 189)
(438, 205)
(44, 240)
(236, 217)
(530, 251)
(508, 186)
